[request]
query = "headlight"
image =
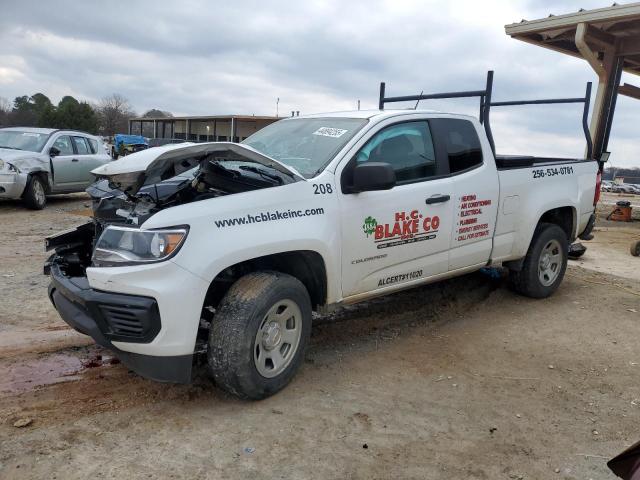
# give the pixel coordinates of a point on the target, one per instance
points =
(120, 246)
(10, 167)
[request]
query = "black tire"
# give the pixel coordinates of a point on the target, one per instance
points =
(34, 193)
(527, 281)
(233, 340)
(634, 249)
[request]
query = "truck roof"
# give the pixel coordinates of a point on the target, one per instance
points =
(378, 114)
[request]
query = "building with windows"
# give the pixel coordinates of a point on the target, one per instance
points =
(215, 128)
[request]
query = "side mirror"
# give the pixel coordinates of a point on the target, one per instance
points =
(54, 152)
(604, 158)
(371, 176)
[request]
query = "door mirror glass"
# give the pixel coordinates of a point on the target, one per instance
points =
(54, 152)
(370, 176)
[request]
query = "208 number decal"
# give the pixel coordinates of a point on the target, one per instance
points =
(322, 188)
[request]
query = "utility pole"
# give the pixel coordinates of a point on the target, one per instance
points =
(277, 102)
(358, 104)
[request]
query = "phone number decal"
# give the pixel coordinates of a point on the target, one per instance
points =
(552, 172)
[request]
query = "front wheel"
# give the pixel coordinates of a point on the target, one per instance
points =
(259, 334)
(545, 264)
(34, 196)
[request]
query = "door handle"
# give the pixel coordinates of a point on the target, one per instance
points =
(437, 198)
(74, 160)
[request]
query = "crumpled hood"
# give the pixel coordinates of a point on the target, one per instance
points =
(154, 165)
(20, 158)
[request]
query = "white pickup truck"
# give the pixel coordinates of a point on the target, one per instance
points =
(227, 248)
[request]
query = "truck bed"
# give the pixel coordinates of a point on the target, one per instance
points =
(505, 162)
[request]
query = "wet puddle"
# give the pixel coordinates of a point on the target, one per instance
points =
(23, 376)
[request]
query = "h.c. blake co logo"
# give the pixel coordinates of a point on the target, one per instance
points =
(408, 228)
(369, 225)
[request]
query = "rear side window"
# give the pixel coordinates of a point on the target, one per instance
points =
(94, 145)
(82, 146)
(64, 145)
(460, 143)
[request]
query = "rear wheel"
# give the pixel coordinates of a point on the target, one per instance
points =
(635, 248)
(34, 195)
(545, 264)
(259, 334)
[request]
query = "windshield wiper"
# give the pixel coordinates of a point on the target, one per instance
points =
(10, 148)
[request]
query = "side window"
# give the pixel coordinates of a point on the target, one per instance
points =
(460, 141)
(407, 147)
(82, 146)
(64, 145)
(94, 145)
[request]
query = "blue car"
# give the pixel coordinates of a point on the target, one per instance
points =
(126, 144)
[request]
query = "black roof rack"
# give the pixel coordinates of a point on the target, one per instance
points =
(486, 103)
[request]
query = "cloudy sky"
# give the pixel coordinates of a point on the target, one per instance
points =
(197, 58)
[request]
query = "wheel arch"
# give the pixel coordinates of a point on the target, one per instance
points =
(308, 266)
(565, 217)
(45, 176)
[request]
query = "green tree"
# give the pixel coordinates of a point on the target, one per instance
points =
(37, 110)
(75, 115)
(40, 102)
(22, 103)
(87, 119)
(23, 112)
(156, 113)
(29, 111)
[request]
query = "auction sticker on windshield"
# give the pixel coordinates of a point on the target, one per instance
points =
(330, 132)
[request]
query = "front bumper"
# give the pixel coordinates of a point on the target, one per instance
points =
(12, 185)
(116, 317)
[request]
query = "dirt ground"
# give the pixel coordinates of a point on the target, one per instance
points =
(462, 379)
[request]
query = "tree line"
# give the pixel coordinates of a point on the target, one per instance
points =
(630, 174)
(108, 117)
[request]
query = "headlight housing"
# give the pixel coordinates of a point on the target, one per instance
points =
(121, 246)
(8, 166)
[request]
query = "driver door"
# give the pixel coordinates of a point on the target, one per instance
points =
(66, 170)
(402, 235)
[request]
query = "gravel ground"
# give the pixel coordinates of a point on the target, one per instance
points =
(462, 379)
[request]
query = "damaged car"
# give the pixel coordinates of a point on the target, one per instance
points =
(37, 162)
(223, 251)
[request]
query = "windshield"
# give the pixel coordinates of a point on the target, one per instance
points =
(18, 140)
(306, 144)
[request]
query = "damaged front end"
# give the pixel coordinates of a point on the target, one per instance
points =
(128, 195)
(123, 201)
(105, 316)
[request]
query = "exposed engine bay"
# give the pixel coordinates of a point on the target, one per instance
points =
(214, 177)
(215, 174)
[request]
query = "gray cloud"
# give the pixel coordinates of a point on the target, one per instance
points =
(194, 57)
